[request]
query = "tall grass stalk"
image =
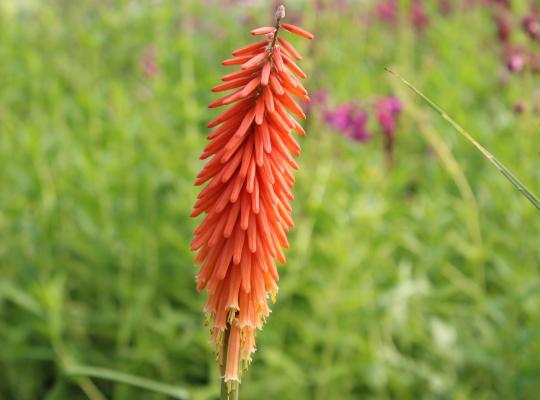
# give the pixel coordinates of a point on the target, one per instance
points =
(128, 379)
(533, 199)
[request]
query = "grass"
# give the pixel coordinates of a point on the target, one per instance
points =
(490, 157)
(417, 282)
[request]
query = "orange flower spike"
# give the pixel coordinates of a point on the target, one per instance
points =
(246, 200)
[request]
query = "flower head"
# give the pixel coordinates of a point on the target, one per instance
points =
(515, 62)
(359, 131)
(350, 120)
(503, 27)
(388, 110)
(246, 200)
(419, 18)
(387, 11)
(149, 62)
(339, 118)
(531, 26)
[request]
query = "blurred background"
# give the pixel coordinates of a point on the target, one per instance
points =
(413, 270)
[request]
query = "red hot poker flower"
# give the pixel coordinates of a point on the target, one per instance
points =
(248, 191)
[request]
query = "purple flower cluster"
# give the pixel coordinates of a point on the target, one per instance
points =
(517, 53)
(517, 57)
(419, 17)
(388, 11)
(351, 119)
(388, 110)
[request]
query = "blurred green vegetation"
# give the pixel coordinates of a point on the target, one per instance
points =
(416, 282)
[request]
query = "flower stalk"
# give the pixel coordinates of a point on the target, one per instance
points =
(228, 392)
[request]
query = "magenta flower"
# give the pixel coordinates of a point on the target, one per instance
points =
(503, 27)
(387, 11)
(531, 26)
(515, 62)
(149, 62)
(419, 18)
(350, 121)
(388, 110)
(359, 131)
(339, 118)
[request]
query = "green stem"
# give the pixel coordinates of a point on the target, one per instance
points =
(491, 158)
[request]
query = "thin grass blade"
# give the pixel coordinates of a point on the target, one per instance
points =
(128, 379)
(533, 199)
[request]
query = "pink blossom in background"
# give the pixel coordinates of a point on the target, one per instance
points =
(339, 118)
(503, 27)
(515, 62)
(531, 25)
(349, 120)
(388, 110)
(149, 62)
(359, 131)
(419, 17)
(387, 11)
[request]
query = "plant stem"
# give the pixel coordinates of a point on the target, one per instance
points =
(227, 392)
(280, 14)
(491, 158)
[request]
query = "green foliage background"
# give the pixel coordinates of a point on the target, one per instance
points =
(418, 282)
